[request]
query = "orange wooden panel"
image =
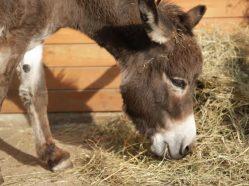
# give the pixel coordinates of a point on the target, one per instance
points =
(75, 63)
(71, 101)
(87, 55)
(79, 78)
(227, 24)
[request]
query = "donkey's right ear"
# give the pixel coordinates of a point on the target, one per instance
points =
(195, 15)
(150, 18)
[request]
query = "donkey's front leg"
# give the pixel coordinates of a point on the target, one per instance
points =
(33, 92)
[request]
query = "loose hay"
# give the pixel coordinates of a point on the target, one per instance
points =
(115, 154)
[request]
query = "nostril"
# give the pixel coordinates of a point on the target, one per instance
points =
(186, 150)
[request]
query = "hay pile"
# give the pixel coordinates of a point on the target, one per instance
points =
(114, 154)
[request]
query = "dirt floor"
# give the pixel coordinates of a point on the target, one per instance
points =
(19, 165)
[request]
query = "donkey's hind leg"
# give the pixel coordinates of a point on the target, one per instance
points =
(33, 93)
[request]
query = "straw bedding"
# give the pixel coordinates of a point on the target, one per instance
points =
(115, 154)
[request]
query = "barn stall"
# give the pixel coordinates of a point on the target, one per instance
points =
(83, 77)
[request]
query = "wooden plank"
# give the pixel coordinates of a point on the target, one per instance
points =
(79, 78)
(68, 35)
(217, 8)
(227, 24)
(71, 101)
(84, 55)
(69, 54)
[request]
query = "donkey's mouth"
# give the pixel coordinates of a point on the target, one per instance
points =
(161, 151)
(166, 153)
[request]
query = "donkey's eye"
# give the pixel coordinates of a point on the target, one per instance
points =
(179, 83)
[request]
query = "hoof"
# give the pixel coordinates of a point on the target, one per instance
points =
(61, 165)
(56, 158)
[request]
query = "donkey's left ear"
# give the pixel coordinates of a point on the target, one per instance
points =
(195, 15)
(150, 19)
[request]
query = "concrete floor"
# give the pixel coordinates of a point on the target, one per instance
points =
(17, 154)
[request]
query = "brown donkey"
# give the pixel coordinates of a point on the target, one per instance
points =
(152, 42)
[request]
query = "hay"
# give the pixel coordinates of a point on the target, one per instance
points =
(115, 154)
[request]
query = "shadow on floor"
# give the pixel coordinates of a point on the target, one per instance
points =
(19, 155)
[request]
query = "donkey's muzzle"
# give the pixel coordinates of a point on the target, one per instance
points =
(177, 142)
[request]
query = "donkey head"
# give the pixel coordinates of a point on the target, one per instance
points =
(158, 82)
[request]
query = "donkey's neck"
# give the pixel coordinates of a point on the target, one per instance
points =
(113, 24)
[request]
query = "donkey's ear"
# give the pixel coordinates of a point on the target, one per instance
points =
(150, 18)
(195, 15)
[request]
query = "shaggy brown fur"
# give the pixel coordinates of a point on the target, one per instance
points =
(133, 31)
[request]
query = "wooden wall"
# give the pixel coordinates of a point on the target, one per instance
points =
(83, 77)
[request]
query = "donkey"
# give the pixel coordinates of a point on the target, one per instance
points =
(152, 42)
